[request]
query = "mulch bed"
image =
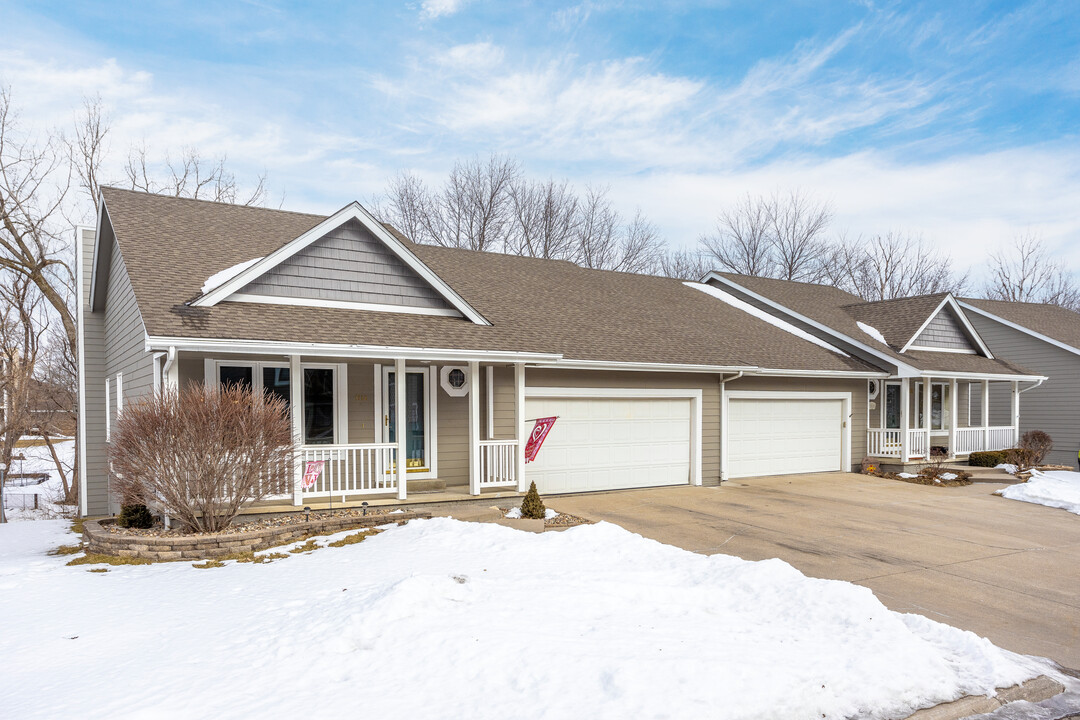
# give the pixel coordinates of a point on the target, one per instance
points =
(928, 476)
(285, 519)
(567, 520)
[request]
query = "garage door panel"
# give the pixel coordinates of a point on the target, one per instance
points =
(781, 436)
(606, 443)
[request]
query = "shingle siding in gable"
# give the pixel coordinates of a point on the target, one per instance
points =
(1054, 406)
(944, 331)
(349, 264)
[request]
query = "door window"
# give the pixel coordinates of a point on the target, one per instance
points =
(415, 416)
(318, 406)
(892, 407)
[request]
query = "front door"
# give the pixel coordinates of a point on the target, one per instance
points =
(417, 417)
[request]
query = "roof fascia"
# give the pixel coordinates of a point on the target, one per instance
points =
(982, 376)
(903, 369)
(1026, 330)
(352, 211)
(951, 302)
(570, 364)
(102, 255)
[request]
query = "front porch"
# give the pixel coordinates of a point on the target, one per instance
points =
(915, 420)
(460, 436)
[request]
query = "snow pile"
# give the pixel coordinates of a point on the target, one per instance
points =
(18, 500)
(627, 627)
(872, 332)
(1007, 467)
(220, 278)
(1053, 488)
(906, 476)
(515, 513)
(762, 315)
(948, 476)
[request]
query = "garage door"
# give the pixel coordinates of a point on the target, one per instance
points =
(610, 443)
(782, 436)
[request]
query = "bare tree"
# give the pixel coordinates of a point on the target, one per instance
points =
(684, 265)
(546, 219)
(891, 265)
(20, 341)
(191, 176)
(798, 224)
(89, 148)
(742, 241)
(1026, 273)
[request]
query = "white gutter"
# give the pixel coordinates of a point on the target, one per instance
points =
(645, 367)
(823, 373)
(723, 425)
(1038, 382)
(982, 376)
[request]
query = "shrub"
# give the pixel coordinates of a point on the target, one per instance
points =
(1038, 444)
(135, 516)
(990, 458)
(202, 453)
(532, 507)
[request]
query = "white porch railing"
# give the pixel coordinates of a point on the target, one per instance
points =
(498, 462)
(969, 440)
(881, 442)
(351, 469)
(918, 443)
(1002, 438)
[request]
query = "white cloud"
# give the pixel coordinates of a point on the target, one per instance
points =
(431, 9)
(471, 56)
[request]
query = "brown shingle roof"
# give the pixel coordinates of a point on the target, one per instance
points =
(171, 246)
(1052, 321)
(897, 320)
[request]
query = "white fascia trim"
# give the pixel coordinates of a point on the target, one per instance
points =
(956, 351)
(570, 364)
(951, 302)
(612, 392)
(1021, 328)
(342, 304)
(267, 347)
(352, 211)
(981, 376)
(903, 369)
(859, 374)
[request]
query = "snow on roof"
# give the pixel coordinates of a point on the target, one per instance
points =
(872, 332)
(762, 315)
(220, 278)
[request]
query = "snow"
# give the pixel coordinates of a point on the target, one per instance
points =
(220, 278)
(762, 315)
(948, 476)
(1053, 488)
(1007, 467)
(515, 513)
(906, 476)
(590, 622)
(872, 332)
(38, 460)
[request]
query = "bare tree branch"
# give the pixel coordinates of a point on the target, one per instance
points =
(1026, 273)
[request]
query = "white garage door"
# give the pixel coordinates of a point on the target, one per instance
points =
(610, 443)
(782, 436)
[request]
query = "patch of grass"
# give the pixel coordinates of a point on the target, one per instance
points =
(243, 557)
(67, 550)
(354, 538)
(208, 564)
(77, 525)
(98, 570)
(309, 546)
(99, 559)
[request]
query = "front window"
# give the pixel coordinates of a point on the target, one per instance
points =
(940, 413)
(242, 375)
(318, 406)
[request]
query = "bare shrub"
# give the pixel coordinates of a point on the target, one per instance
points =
(1034, 446)
(201, 454)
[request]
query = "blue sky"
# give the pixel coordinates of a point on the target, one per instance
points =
(956, 120)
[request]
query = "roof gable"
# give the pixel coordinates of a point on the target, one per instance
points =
(372, 270)
(944, 332)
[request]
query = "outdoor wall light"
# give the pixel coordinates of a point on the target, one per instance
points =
(307, 514)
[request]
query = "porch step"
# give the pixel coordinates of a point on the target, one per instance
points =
(425, 486)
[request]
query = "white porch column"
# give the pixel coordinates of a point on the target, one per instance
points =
(474, 427)
(954, 405)
(927, 422)
(1016, 412)
(905, 410)
(522, 431)
(985, 417)
(296, 415)
(400, 414)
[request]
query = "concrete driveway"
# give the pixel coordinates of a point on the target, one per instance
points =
(1007, 570)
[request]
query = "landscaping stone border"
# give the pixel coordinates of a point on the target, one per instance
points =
(197, 547)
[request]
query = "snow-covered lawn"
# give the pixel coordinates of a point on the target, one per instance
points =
(1054, 488)
(36, 459)
(441, 618)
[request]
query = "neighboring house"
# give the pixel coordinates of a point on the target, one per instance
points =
(653, 381)
(1046, 339)
(946, 393)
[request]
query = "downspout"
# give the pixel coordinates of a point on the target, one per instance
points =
(1038, 382)
(170, 358)
(723, 424)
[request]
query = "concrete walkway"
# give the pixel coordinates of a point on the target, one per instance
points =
(1007, 570)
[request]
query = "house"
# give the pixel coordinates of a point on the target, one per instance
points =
(1046, 339)
(946, 393)
(653, 381)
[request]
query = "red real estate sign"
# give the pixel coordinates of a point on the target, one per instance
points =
(536, 438)
(312, 470)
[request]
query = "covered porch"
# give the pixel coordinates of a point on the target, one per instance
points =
(460, 433)
(919, 419)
